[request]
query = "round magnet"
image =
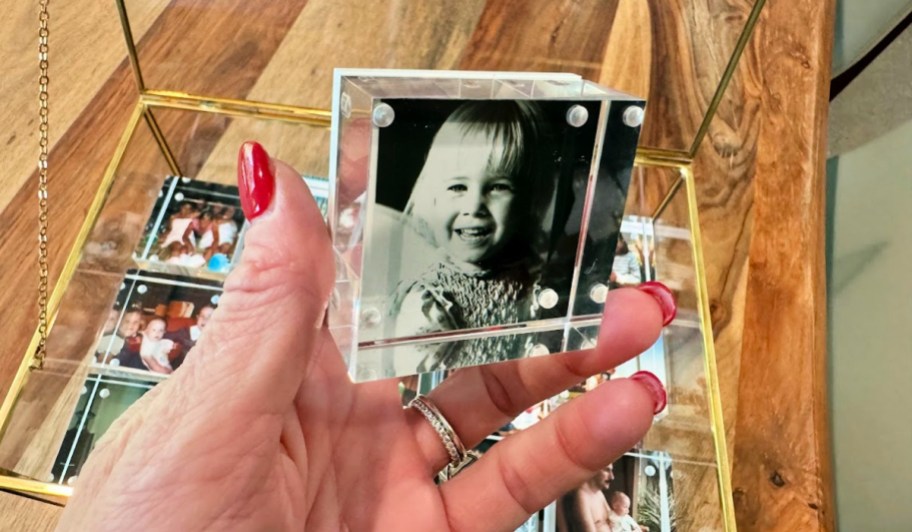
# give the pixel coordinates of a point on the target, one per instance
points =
(383, 115)
(538, 350)
(598, 293)
(548, 298)
(371, 317)
(577, 115)
(633, 116)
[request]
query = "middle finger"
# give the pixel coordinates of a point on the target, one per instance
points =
(479, 400)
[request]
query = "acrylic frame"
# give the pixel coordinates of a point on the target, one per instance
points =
(590, 159)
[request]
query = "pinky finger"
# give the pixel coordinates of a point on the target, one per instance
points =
(526, 472)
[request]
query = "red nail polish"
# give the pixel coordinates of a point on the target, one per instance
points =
(664, 296)
(654, 385)
(256, 182)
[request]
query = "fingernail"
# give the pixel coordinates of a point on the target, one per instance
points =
(654, 385)
(256, 182)
(664, 296)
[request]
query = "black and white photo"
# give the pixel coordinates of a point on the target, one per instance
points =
(474, 224)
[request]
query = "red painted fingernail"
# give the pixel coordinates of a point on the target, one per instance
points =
(664, 296)
(256, 181)
(654, 385)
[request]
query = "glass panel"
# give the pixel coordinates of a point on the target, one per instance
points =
(285, 53)
(40, 419)
(669, 481)
(102, 400)
(684, 431)
(130, 314)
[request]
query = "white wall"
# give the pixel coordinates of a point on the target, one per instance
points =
(860, 23)
(871, 333)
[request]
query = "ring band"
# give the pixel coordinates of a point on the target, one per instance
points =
(460, 458)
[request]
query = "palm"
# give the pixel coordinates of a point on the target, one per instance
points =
(261, 428)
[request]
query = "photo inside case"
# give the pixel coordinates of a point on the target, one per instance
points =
(475, 216)
(102, 400)
(636, 491)
(154, 322)
(195, 227)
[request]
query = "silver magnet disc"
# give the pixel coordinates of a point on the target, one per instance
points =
(577, 115)
(598, 293)
(371, 317)
(587, 343)
(548, 298)
(538, 350)
(633, 116)
(383, 115)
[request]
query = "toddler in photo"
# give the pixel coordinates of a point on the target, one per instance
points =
(619, 518)
(479, 201)
(150, 350)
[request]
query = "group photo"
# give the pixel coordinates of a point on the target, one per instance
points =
(155, 321)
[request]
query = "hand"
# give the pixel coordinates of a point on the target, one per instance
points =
(261, 428)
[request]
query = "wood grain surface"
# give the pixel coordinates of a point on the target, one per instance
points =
(88, 48)
(22, 514)
(672, 51)
(782, 466)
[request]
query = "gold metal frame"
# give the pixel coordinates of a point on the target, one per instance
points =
(150, 99)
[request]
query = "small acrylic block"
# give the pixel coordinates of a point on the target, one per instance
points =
(474, 215)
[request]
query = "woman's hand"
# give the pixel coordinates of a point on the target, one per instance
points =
(261, 428)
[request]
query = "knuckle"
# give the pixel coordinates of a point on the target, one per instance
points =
(502, 400)
(518, 488)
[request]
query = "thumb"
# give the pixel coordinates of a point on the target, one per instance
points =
(260, 339)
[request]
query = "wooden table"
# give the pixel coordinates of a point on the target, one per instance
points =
(760, 168)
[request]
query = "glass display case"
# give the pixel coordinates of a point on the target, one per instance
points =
(269, 80)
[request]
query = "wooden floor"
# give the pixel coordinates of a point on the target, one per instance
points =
(759, 171)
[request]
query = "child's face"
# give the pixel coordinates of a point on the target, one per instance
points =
(472, 212)
(155, 330)
(111, 322)
(621, 505)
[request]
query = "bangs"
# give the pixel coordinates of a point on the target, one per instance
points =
(512, 126)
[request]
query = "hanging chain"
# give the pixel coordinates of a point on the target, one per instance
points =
(43, 144)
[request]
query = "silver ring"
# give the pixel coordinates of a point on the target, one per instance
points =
(460, 457)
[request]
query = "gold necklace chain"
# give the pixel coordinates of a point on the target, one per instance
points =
(43, 145)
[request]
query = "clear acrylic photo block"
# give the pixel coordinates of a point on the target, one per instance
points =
(474, 215)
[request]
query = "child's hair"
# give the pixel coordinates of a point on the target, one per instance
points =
(519, 126)
(155, 318)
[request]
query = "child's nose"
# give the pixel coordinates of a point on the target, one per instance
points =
(473, 203)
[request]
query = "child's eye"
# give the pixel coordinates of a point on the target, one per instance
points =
(457, 187)
(501, 187)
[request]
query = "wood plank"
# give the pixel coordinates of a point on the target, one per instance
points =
(86, 44)
(18, 513)
(415, 35)
(782, 468)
